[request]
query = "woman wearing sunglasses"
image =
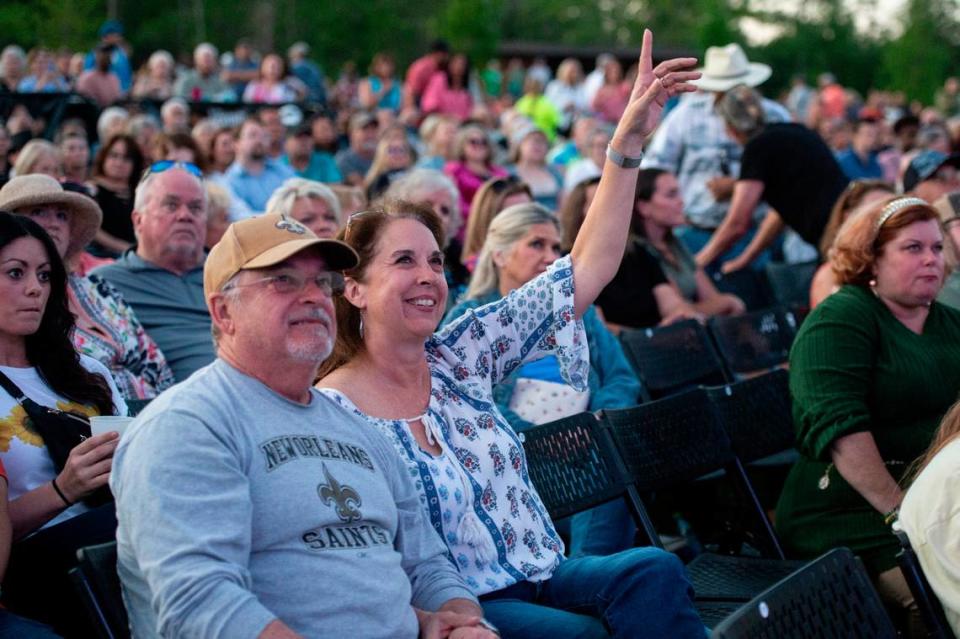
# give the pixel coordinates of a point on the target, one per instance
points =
(473, 166)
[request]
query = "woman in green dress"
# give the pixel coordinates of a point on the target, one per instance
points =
(872, 372)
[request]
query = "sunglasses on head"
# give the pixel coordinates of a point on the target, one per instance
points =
(166, 165)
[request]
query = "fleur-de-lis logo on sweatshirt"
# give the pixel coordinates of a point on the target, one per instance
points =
(346, 500)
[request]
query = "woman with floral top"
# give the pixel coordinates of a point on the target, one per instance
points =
(431, 394)
(106, 328)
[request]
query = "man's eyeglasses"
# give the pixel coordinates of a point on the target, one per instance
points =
(330, 283)
(166, 165)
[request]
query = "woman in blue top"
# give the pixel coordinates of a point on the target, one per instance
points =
(380, 90)
(431, 394)
(522, 242)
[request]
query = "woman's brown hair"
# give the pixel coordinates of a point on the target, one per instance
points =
(362, 232)
(850, 199)
(859, 242)
(571, 214)
(486, 204)
(133, 152)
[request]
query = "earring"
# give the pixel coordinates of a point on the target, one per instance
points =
(361, 326)
(873, 287)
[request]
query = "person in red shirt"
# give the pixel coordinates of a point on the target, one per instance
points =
(420, 72)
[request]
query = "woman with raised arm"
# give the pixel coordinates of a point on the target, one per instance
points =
(431, 394)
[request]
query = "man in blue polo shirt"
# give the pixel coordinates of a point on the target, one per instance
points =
(162, 277)
(859, 162)
(253, 176)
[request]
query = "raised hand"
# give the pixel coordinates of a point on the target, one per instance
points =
(652, 89)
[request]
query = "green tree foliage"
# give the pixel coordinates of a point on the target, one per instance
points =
(815, 36)
(927, 51)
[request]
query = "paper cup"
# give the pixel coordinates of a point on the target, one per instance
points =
(107, 423)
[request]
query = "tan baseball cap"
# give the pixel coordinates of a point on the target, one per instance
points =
(265, 240)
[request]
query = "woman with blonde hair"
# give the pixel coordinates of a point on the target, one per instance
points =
(38, 156)
(311, 203)
(155, 79)
(930, 515)
(393, 156)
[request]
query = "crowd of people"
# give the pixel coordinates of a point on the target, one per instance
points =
(403, 272)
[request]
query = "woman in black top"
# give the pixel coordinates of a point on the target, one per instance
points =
(116, 170)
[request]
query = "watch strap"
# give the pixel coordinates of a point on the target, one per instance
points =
(622, 160)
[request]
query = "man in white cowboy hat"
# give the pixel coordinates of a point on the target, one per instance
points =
(251, 505)
(784, 164)
(692, 141)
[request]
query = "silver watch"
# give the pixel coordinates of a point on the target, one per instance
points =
(621, 160)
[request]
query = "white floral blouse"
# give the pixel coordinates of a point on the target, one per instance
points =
(477, 491)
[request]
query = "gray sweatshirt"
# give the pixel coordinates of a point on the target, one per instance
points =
(237, 506)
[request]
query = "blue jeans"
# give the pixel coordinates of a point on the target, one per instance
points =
(603, 530)
(695, 239)
(14, 627)
(642, 592)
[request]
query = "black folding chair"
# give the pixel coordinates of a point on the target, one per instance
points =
(755, 341)
(574, 467)
(790, 283)
(674, 358)
(829, 598)
(747, 284)
(96, 581)
(931, 610)
(674, 441)
(756, 415)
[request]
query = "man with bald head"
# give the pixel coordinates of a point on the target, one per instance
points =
(162, 276)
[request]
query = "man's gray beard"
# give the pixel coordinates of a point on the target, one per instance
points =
(310, 353)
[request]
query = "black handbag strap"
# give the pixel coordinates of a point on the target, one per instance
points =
(12, 388)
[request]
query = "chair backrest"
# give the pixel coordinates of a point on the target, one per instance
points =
(678, 439)
(135, 406)
(829, 597)
(790, 283)
(571, 464)
(755, 341)
(931, 610)
(756, 414)
(670, 441)
(669, 359)
(98, 584)
(747, 284)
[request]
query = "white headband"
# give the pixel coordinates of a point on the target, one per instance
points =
(896, 206)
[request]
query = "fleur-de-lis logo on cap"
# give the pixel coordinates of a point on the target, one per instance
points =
(344, 498)
(292, 226)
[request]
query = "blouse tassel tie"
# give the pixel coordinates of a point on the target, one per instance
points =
(470, 531)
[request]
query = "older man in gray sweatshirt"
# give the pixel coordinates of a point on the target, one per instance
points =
(252, 506)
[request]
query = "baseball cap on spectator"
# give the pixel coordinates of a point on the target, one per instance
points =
(924, 165)
(290, 115)
(110, 27)
(362, 119)
(265, 240)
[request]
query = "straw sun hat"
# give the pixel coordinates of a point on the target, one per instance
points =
(37, 189)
